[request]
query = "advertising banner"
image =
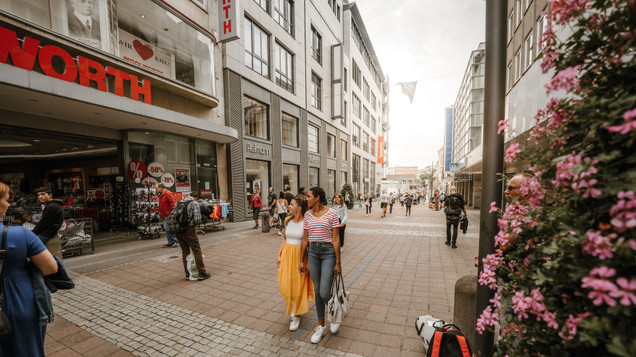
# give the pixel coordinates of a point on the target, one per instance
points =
(182, 179)
(380, 149)
(141, 53)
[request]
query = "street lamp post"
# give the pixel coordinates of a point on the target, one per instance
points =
(492, 159)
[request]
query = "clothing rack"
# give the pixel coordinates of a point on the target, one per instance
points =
(209, 221)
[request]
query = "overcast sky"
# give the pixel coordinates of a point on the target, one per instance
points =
(429, 41)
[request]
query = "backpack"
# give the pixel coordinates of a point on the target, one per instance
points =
(448, 341)
(453, 205)
(178, 220)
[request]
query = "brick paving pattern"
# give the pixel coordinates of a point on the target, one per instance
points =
(396, 268)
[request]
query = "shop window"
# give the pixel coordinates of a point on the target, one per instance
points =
(256, 118)
(355, 168)
(289, 130)
(284, 67)
(257, 175)
(283, 14)
(313, 140)
(314, 173)
(256, 48)
(141, 33)
(331, 145)
(331, 181)
(343, 150)
(290, 177)
(343, 178)
(207, 174)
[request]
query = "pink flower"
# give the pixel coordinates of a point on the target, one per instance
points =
(599, 245)
(512, 152)
(492, 207)
(626, 292)
(623, 213)
(572, 324)
(502, 126)
(601, 288)
(563, 11)
(487, 318)
(567, 79)
(628, 126)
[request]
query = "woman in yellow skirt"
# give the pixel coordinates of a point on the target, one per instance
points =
(295, 287)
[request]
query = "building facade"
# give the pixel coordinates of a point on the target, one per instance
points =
(102, 97)
(291, 80)
(468, 119)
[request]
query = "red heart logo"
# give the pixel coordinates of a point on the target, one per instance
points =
(144, 51)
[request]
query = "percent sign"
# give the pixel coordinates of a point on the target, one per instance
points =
(137, 170)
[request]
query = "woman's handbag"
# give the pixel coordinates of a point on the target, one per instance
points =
(338, 305)
(5, 325)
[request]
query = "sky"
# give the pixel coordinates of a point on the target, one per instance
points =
(429, 42)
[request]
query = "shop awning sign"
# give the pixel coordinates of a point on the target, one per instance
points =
(137, 170)
(155, 169)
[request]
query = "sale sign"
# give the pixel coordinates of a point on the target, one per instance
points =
(155, 169)
(149, 182)
(137, 170)
(182, 179)
(167, 180)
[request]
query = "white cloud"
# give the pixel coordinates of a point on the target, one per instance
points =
(429, 41)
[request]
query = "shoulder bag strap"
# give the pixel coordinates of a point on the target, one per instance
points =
(3, 254)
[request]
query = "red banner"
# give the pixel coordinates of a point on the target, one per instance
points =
(380, 149)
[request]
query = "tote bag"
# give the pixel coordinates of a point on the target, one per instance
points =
(338, 305)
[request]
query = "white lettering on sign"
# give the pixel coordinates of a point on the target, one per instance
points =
(258, 150)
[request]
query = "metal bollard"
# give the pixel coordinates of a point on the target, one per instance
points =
(465, 306)
(265, 222)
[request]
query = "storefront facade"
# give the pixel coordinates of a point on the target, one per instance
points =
(102, 97)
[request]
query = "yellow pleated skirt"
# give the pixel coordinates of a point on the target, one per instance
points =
(297, 289)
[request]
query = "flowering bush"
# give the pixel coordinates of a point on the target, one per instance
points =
(564, 267)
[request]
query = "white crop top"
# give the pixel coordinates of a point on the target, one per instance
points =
(294, 232)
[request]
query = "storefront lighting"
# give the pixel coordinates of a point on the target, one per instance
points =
(147, 132)
(142, 16)
(13, 144)
(36, 140)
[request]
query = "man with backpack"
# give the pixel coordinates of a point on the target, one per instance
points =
(184, 219)
(166, 205)
(408, 201)
(453, 208)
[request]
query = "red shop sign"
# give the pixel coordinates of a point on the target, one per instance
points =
(86, 69)
(137, 170)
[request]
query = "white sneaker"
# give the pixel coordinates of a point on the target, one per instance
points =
(335, 328)
(317, 336)
(341, 249)
(295, 322)
(280, 233)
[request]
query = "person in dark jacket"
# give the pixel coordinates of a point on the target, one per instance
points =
(453, 214)
(189, 240)
(51, 222)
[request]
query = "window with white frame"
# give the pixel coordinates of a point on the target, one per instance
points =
(365, 141)
(256, 118)
(373, 124)
(365, 89)
(529, 47)
(356, 73)
(511, 24)
(316, 45)
(519, 12)
(263, 3)
(365, 116)
(283, 67)
(256, 48)
(343, 120)
(355, 135)
(373, 101)
(331, 145)
(283, 14)
(313, 141)
(345, 80)
(289, 130)
(526, 4)
(355, 102)
(316, 91)
(517, 64)
(542, 24)
(372, 146)
(343, 150)
(509, 78)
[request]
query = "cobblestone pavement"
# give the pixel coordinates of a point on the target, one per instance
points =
(395, 268)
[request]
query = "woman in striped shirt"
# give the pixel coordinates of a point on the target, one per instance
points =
(321, 236)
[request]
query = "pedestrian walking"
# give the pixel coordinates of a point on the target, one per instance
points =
(18, 297)
(341, 208)
(360, 200)
(453, 208)
(321, 236)
(384, 200)
(347, 199)
(368, 203)
(255, 205)
(288, 195)
(271, 206)
(401, 199)
(295, 287)
(282, 208)
(52, 218)
(391, 202)
(408, 201)
(166, 205)
(189, 240)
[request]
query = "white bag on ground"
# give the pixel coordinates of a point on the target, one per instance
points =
(192, 267)
(338, 305)
(425, 327)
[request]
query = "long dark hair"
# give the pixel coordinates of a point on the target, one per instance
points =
(302, 203)
(317, 191)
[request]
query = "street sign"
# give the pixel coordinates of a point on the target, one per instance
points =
(454, 166)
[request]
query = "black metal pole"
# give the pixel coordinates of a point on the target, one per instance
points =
(492, 159)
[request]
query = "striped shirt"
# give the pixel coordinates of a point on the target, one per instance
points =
(319, 229)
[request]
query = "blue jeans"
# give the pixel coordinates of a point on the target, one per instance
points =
(171, 238)
(322, 260)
